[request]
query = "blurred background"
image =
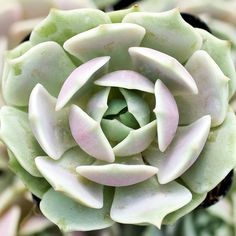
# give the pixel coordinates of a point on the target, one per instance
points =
(19, 212)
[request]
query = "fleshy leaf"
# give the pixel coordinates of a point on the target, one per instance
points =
(62, 176)
(215, 162)
(183, 151)
(38, 186)
(220, 51)
(16, 134)
(26, 71)
(126, 79)
(157, 65)
(117, 16)
(9, 221)
(61, 25)
(117, 174)
(115, 130)
(148, 202)
(167, 32)
(137, 140)
(137, 106)
(78, 79)
(167, 115)
(71, 216)
(50, 128)
(197, 199)
(212, 97)
(97, 105)
(89, 135)
(107, 40)
(115, 106)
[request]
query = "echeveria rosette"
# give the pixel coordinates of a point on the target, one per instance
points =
(119, 117)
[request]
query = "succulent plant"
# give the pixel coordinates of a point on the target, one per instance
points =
(119, 117)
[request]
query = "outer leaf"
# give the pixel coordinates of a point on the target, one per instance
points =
(107, 40)
(197, 199)
(50, 128)
(212, 97)
(167, 32)
(16, 134)
(217, 159)
(63, 177)
(88, 134)
(25, 72)
(61, 25)
(148, 202)
(38, 186)
(220, 51)
(71, 216)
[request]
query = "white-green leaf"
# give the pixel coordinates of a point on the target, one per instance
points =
(111, 40)
(184, 150)
(217, 159)
(167, 32)
(61, 25)
(137, 106)
(117, 174)
(148, 202)
(137, 140)
(89, 135)
(157, 65)
(212, 97)
(126, 79)
(50, 127)
(26, 71)
(72, 216)
(167, 115)
(17, 135)
(80, 78)
(63, 177)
